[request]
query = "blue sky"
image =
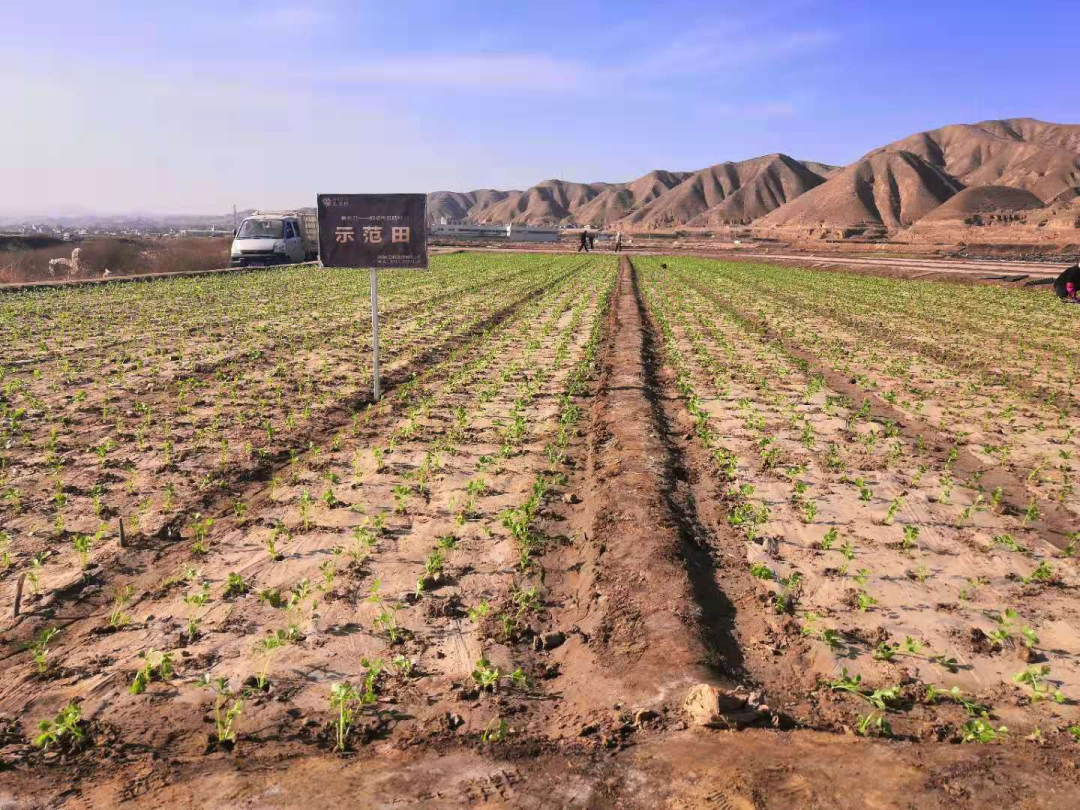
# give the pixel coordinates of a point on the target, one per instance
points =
(194, 106)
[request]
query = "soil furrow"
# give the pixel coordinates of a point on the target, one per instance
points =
(640, 589)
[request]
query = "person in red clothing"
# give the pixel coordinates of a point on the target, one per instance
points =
(1067, 285)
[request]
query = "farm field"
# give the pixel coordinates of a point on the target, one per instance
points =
(841, 507)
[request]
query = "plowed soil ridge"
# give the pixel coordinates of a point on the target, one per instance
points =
(647, 596)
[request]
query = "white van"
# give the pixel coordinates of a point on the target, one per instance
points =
(274, 238)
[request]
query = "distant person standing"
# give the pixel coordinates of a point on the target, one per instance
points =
(592, 240)
(584, 242)
(1067, 285)
(618, 241)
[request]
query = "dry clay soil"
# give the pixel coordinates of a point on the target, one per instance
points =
(652, 596)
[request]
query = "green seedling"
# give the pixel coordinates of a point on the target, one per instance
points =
(485, 675)
(973, 709)
(387, 618)
(156, 665)
(434, 564)
(404, 665)
(235, 586)
(981, 730)
(328, 569)
(946, 662)
(526, 599)
(372, 668)
(200, 530)
(495, 731)
(294, 607)
(81, 544)
(186, 575)
(1031, 514)
(1007, 541)
(995, 498)
(865, 601)
(1006, 629)
(509, 624)
(66, 725)
(1034, 677)
(1044, 572)
(195, 602)
(305, 510)
(946, 490)
(39, 648)
(911, 537)
(227, 706)
(975, 507)
(798, 490)
(121, 598)
(785, 597)
(279, 533)
(879, 698)
(894, 507)
(829, 538)
(345, 700)
(265, 650)
(830, 637)
(874, 723)
(865, 493)
(364, 540)
(762, 571)
(477, 612)
(401, 494)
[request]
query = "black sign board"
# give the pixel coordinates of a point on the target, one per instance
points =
(373, 230)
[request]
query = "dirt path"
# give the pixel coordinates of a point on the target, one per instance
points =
(638, 592)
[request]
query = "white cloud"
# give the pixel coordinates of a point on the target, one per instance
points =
(746, 51)
(521, 71)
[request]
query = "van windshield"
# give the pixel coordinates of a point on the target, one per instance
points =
(261, 229)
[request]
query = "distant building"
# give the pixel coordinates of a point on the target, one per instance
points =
(509, 232)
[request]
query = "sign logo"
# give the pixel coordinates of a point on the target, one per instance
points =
(373, 230)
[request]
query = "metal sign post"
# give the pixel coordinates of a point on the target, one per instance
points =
(372, 231)
(375, 329)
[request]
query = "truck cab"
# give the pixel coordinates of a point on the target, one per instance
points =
(265, 239)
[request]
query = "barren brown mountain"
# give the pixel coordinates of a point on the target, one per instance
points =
(1023, 153)
(548, 203)
(729, 193)
(998, 215)
(990, 200)
(826, 170)
(621, 200)
(888, 189)
(463, 205)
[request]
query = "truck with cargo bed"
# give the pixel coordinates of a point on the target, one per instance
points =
(276, 237)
